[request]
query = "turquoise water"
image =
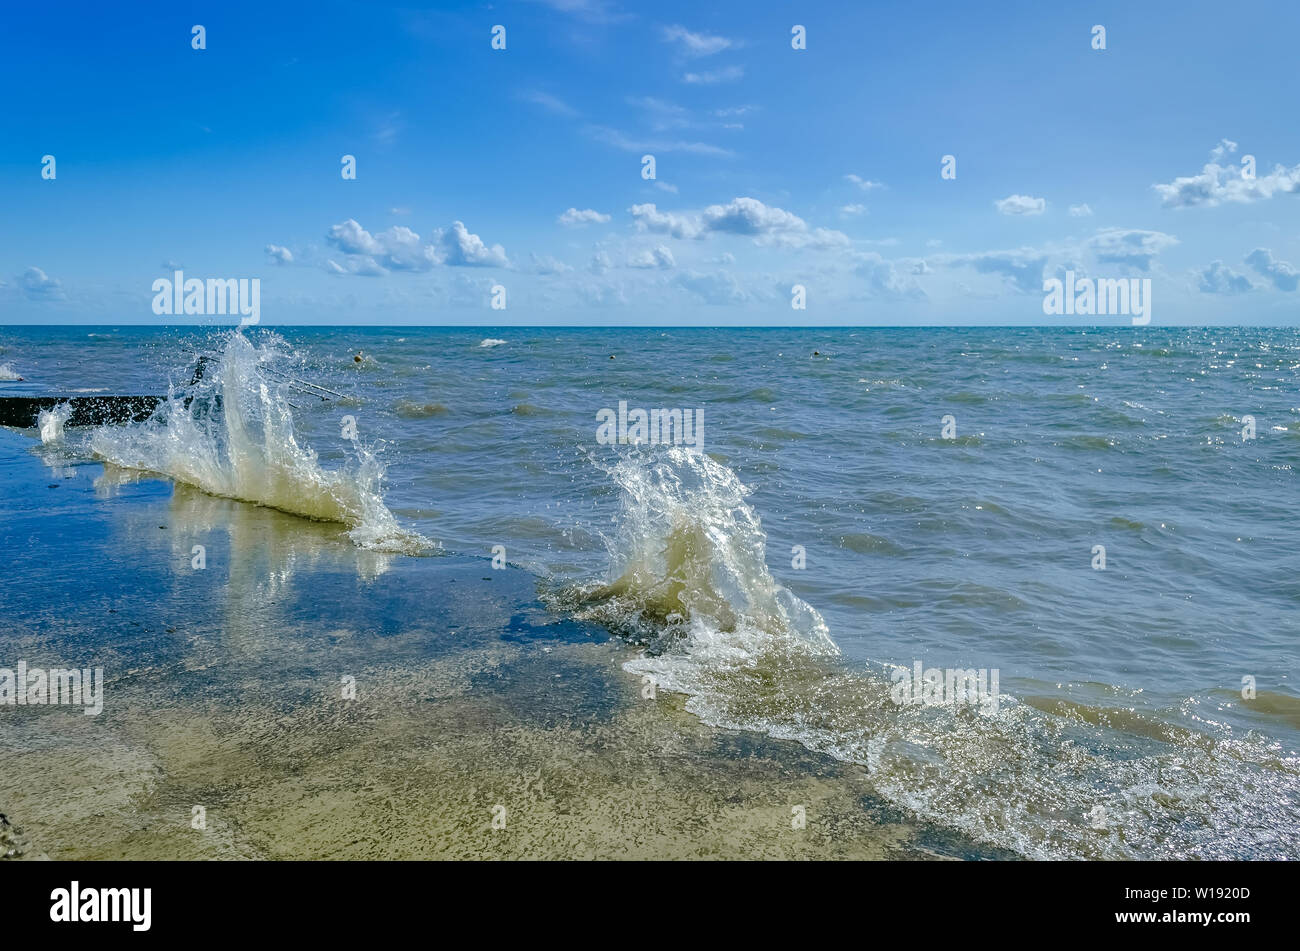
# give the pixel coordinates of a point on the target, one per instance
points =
(1122, 687)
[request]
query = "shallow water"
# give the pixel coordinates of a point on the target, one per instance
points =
(1121, 689)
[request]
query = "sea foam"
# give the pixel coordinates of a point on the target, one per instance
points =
(232, 434)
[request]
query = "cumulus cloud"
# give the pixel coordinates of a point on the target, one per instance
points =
(38, 285)
(459, 248)
(716, 287)
(278, 254)
(1217, 279)
(574, 217)
(600, 263)
(401, 249)
(1022, 268)
(750, 216)
(1080, 211)
(884, 279)
(350, 238)
(1219, 183)
(658, 257)
(766, 224)
(1020, 205)
(1282, 274)
(1132, 247)
(695, 44)
(545, 264)
(649, 218)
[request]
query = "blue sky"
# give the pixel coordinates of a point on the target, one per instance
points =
(774, 166)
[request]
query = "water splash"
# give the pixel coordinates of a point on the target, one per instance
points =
(232, 434)
(51, 423)
(689, 560)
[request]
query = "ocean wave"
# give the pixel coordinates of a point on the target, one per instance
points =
(8, 374)
(409, 409)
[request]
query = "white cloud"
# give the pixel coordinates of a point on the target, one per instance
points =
(1217, 279)
(884, 279)
(865, 184)
(766, 224)
(551, 104)
(1022, 268)
(658, 257)
(400, 249)
(545, 264)
(1132, 247)
(1225, 147)
(1080, 211)
(852, 210)
(593, 11)
(1219, 183)
(38, 285)
(630, 144)
(1283, 275)
(575, 218)
(649, 218)
(459, 248)
(695, 44)
(1020, 205)
(661, 114)
(728, 74)
(718, 287)
(351, 238)
(278, 254)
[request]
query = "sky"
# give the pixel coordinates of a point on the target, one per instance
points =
(516, 176)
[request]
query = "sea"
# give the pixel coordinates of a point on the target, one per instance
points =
(549, 592)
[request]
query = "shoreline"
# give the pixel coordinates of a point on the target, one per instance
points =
(223, 692)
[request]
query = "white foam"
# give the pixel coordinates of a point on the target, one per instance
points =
(51, 423)
(248, 450)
